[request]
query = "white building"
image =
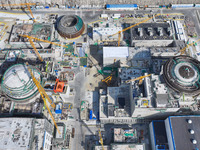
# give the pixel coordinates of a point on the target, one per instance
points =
(25, 134)
(111, 54)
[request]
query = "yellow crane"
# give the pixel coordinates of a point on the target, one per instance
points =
(107, 80)
(119, 32)
(31, 38)
(43, 95)
(101, 140)
(41, 40)
(139, 78)
(182, 51)
(35, 49)
(23, 4)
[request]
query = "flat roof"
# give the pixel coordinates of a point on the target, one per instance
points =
(15, 133)
(180, 131)
(155, 36)
(159, 132)
(118, 52)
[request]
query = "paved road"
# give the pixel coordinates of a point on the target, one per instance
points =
(78, 85)
(92, 15)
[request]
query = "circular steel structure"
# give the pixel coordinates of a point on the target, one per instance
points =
(17, 84)
(182, 74)
(70, 26)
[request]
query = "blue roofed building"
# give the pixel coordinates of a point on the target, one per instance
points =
(176, 133)
(121, 6)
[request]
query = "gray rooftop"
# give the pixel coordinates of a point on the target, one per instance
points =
(182, 137)
(150, 31)
(15, 133)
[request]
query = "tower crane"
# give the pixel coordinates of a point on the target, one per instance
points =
(119, 32)
(182, 51)
(23, 4)
(101, 140)
(139, 78)
(41, 40)
(107, 80)
(43, 95)
(31, 38)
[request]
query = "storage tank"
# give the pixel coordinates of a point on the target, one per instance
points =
(17, 84)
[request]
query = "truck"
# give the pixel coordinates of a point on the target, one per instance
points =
(104, 15)
(73, 132)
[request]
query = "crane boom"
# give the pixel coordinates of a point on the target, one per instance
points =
(182, 51)
(20, 4)
(119, 33)
(139, 78)
(43, 95)
(36, 51)
(41, 40)
(101, 140)
(23, 4)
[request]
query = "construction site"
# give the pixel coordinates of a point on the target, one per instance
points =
(101, 79)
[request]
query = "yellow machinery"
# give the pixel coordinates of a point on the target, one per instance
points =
(101, 140)
(119, 33)
(139, 78)
(107, 80)
(43, 95)
(23, 4)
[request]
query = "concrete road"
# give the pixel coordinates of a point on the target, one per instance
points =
(78, 85)
(93, 15)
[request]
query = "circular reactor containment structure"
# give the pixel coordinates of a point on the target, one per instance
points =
(17, 84)
(70, 26)
(182, 74)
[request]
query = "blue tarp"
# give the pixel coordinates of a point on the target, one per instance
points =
(90, 114)
(121, 5)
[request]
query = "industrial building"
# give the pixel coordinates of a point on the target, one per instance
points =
(102, 33)
(152, 34)
(111, 54)
(117, 105)
(116, 146)
(181, 74)
(37, 30)
(176, 132)
(125, 135)
(70, 26)
(17, 84)
(25, 133)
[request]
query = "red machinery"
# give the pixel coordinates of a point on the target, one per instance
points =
(59, 86)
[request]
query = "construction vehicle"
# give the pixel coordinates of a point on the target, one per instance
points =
(139, 78)
(43, 95)
(23, 4)
(107, 80)
(59, 86)
(119, 33)
(101, 140)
